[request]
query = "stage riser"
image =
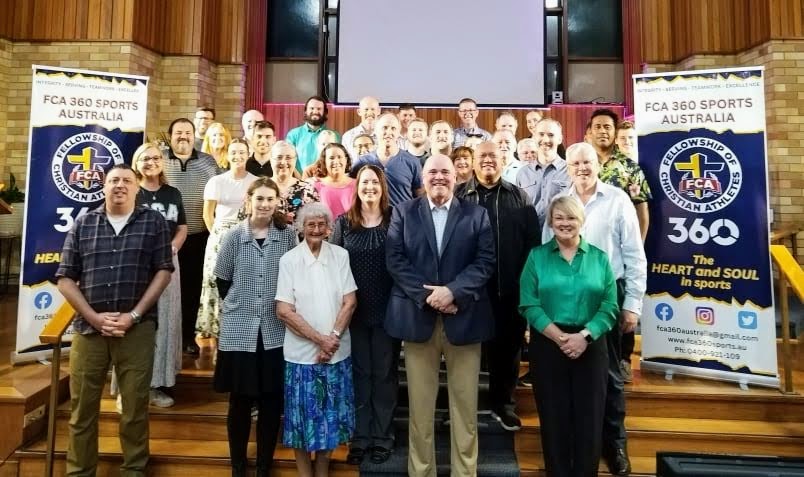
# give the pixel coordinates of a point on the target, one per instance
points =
(644, 444)
(31, 467)
(695, 406)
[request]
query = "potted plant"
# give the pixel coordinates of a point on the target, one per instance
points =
(11, 224)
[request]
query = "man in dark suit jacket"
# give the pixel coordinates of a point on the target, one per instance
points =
(440, 253)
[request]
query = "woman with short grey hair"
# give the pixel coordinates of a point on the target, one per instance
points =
(315, 297)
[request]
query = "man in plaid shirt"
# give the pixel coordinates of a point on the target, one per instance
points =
(116, 261)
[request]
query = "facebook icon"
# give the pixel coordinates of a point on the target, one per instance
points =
(664, 312)
(43, 300)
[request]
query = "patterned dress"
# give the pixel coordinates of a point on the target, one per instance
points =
(296, 196)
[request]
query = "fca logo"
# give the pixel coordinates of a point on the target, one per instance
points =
(43, 300)
(664, 312)
(704, 315)
(747, 320)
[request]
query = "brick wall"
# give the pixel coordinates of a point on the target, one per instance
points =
(784, 103)
(178, 85)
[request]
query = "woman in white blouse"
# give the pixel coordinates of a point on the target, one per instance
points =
(224, 195)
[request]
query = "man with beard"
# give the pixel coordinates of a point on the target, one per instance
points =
(467, 113)
(545, 177)
(305, 137)
(611, 225)
(406, 114)
(248, 121)
(368, 110)
(189, 170)
(402, 170)
(203, 118)
(416, 143)
(259, 163)
(440, 254)
(441, 138)
(515, 228)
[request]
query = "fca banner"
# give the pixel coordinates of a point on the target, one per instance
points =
(709, 304)
(82, 124)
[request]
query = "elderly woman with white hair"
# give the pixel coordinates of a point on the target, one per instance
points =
(315, 297)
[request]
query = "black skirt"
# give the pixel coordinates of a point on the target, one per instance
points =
(250, 374)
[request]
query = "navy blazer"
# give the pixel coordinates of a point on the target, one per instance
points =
(466, 264)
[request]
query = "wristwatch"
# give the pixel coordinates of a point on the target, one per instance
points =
(587, 335)
(136, 318)
(336, 333)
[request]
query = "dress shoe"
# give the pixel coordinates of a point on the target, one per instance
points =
(618, 462)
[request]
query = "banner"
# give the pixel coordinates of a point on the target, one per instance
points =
(82, 124)
(709, 304)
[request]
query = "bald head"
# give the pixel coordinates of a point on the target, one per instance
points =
(248, 121)
(439, 178)
(368, 109)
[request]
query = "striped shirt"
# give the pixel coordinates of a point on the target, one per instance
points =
(190, 177)
(249, 307)
(114, 270)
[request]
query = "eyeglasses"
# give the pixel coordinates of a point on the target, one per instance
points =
(464, 111)
(145, 159)
(477, 135)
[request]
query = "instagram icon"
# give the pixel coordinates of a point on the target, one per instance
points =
(704, 315)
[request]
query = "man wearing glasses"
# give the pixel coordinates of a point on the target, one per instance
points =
(203, 118)
(467, 113)
(368, 110)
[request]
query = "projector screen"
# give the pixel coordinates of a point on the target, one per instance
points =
(439, 51)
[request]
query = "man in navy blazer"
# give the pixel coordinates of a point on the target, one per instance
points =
(440, 253)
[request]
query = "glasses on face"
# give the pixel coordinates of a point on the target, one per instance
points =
(476, 135)
(467, 111)
(144, 159)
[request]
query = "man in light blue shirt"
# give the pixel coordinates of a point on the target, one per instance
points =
(368, 110)
(402, 170)
(546, 176)
(305, 137)
(467, 113)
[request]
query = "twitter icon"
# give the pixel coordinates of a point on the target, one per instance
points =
(747, 320)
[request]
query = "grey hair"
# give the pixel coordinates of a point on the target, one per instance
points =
(311, 210)
(583, 148)
(527, 140)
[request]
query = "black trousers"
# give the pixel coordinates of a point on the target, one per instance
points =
(614, 436)
(238, 425)
(570, 397)
(504, 351)
(375, 369)
(191, 263)
(627, 344)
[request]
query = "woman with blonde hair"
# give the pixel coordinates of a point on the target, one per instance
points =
(156, 194)
(216, 143)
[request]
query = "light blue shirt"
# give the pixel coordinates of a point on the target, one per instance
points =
(440, 214)
(305, 140)
(462, 134)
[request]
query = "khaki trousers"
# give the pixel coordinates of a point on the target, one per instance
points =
(422, 362)
(90, 358)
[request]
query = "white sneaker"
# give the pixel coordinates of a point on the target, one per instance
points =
(160, 399)
(119, 403)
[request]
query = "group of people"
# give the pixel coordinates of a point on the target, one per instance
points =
(323, 256)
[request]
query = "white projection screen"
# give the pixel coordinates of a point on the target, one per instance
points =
(435, 52)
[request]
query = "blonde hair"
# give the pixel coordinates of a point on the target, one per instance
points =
(220, 155)
(139, 152)
(568, 205)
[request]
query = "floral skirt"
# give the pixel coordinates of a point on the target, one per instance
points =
(209, 310)
(319, 405)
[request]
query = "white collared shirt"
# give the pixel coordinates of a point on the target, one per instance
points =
(316, 287)
(611, 225)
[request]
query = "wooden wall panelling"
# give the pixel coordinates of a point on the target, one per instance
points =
(573, 117)
(656, 25)
(214, 26)
(256, 21)
(786, 19)
(632, 48)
